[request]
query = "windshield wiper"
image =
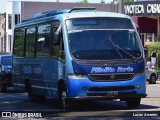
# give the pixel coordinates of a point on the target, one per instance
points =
(119, 48)
(115, 47)
(131, 56)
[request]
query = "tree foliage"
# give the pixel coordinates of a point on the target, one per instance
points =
(128, 0)
(154, 48)
(84, 1)
(102, 1)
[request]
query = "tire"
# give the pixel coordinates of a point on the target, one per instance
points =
(29, 90)
(3, 88)
(133, 103)
(65, 103)
(152, 79)
(34, 97)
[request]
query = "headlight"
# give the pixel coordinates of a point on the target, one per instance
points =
(76, 76)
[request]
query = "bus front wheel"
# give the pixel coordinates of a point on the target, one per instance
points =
(66, 103)
(133, 103)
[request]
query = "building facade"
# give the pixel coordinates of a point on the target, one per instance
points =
(17, 11)
(13, 11)
(2, 33)
(146, 14)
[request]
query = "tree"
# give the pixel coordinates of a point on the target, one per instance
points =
(154, 48)
(84, 1)
(128, 0)
(102, 1)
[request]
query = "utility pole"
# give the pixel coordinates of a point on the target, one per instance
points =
(121, 6)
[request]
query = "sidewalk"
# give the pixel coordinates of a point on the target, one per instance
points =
(158, 82)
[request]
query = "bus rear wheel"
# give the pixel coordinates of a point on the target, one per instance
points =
(133, 103)
(34, 97)
(3, 88)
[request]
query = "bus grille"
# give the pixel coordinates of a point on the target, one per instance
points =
(112, 88)
(111, 77)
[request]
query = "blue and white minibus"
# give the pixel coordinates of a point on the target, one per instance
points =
(79, 54)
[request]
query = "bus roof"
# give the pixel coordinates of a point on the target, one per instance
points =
(68, 14)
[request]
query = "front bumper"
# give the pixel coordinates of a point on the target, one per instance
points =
(109, 97)
(84, 88)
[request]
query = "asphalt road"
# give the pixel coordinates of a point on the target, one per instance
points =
(17, 102)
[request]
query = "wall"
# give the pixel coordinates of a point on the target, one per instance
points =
(2, 32)
(31, 8)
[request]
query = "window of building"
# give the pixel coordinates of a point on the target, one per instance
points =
(2, 44)
(149, 37)
(10, 43)
(17, 18)
(43, 41)
(30, 42)
(9, 21)
(19, 42)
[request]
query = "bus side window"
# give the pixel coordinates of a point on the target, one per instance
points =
(43, 40)
(19, 42)
(58, 48)
(30, 42)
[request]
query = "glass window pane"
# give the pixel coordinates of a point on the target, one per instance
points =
(30, 42)
(55, 48)
(19, 42)
(43, 41)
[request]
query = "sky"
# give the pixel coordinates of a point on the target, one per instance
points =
(3, 2)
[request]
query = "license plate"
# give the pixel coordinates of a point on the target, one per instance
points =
(112, 93)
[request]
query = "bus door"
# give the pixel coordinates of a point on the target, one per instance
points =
(57, 55)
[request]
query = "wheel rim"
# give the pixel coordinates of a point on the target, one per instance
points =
(29, 90)
(64, 95)
(153, 78)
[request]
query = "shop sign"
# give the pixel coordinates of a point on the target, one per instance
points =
(143, 8)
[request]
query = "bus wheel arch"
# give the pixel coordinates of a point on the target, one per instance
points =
(62, 92)
(61, 86)
(33, 97)
(28, 87)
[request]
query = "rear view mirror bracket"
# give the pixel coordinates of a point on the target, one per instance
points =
(57, 36)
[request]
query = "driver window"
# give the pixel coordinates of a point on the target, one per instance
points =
(57, 49)
(133, 41)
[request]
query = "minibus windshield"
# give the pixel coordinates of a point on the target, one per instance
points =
(90, 39)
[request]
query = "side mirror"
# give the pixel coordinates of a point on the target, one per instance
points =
(57, 36)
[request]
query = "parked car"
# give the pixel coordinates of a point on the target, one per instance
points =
(5, 72)
(151, 76)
